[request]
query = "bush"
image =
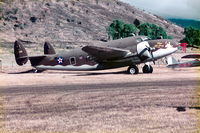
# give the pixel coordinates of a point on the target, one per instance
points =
(192, 36)
(118, 29)
(152, 31)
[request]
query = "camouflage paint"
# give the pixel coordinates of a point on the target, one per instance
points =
(108, 55)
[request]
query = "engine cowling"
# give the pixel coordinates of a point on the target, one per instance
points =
(144, 50)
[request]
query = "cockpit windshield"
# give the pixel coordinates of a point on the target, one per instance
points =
(145, 38)
(141, 39)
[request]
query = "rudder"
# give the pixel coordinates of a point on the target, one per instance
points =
(21, 55)
(48, 49)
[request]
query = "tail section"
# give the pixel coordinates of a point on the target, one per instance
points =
(48, 49)
(171, 60)
(21, 55)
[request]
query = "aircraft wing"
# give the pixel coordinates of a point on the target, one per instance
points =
(192, 56)
(106, 53)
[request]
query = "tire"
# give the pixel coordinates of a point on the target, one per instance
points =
(133, 70)
(147, 69)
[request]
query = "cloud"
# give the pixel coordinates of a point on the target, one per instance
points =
(170, 8)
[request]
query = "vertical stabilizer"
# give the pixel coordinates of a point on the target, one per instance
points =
(48, 49)
(171, 61)
(20, 53)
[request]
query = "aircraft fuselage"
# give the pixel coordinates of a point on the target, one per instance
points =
(77, 59)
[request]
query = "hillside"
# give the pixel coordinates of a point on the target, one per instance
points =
(69, 21)
(186, 22)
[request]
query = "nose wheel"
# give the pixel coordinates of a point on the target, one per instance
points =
(133, 69)
(147, 69)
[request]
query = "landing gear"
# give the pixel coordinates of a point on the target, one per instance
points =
(133, 69)
(147, 69)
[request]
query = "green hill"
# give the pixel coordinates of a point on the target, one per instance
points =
(186, 22)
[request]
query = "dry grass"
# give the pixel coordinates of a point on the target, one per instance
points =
(104, 101)
(198, 102)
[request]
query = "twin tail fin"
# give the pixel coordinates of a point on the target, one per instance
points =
(21, 55)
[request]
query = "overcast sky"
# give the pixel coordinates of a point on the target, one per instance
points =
(189, 9)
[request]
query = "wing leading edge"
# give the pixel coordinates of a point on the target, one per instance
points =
(106, 53)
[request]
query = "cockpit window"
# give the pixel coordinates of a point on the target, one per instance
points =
(145, 38)
(141, 39)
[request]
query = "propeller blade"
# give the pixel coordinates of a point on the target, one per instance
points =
(151, 52)
(153, 58)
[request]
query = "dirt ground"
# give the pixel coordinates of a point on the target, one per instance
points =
(99, 101)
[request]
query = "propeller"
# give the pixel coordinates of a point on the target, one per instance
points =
(145, 51)
(151, 52)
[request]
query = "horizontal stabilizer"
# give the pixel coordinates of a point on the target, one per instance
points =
(35, 60)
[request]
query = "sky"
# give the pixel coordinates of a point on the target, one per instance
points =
(187, 9)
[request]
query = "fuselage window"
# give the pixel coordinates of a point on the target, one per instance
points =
(72, 60)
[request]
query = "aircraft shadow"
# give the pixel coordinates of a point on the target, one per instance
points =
(183, 108)
(102, 73)
(23, 72)
(75, 73)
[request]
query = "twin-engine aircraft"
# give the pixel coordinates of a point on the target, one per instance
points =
(129, 51)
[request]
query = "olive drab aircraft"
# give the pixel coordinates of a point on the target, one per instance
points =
(129, 52)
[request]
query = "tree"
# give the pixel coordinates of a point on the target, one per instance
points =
(128, 30)
(136, 22)
(192, 36)
(118, 29)
(152, 31)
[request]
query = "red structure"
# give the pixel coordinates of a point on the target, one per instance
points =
(184, 45)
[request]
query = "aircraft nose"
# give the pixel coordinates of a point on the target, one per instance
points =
(163, 44)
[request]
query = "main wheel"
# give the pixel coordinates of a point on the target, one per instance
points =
(133, 69)
(147, 69)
